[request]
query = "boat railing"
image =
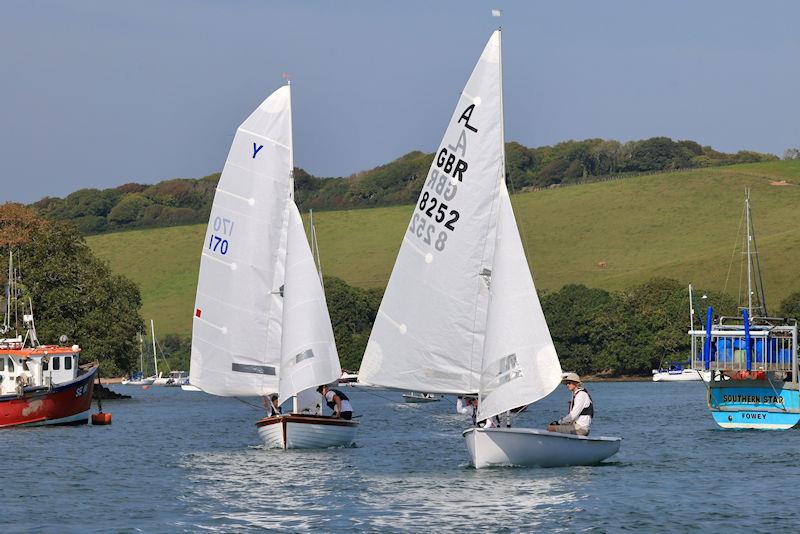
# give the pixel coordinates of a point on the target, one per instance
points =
(739, 348)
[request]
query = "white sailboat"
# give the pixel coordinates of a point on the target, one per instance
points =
(460, 314)
(261, 323)
(138, 378)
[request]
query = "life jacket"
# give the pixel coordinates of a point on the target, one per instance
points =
(589, 410)
(332, 404)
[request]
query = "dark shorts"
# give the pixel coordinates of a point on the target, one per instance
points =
(346, 415)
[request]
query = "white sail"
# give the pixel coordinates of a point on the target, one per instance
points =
(520, 364)
(236, 334)
(429, 331)
(309, 355)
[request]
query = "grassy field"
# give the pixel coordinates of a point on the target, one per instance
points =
(611, 235)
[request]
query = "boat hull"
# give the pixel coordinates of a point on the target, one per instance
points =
(489, 447)
(68, 403)
(299, 431)
(754, 404)
(690, 376)
(419, 399)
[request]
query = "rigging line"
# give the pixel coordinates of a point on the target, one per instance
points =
(255, 407)
(733, 254)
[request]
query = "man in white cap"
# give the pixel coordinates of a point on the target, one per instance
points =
(581, 409)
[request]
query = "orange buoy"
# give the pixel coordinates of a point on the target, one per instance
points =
(101, 418)
(145, 387)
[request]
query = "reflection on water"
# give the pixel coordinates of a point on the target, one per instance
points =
(177, 461)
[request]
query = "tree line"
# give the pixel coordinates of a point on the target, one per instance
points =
(188, 201)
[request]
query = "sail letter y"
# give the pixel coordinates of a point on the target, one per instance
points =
(236, 332)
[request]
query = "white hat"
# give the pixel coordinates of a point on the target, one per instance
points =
(570, 377)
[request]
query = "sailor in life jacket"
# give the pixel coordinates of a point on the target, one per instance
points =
(272, 406)
(471, 409)
(337, 401)
(581, 409)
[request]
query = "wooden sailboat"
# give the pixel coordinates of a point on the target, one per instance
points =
(261, 323)
(460, 314)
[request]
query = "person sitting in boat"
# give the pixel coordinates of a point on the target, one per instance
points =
(581, 409)
(471, 409)
(337, 401)
(273, 408)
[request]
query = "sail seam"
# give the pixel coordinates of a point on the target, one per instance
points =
(260, 136)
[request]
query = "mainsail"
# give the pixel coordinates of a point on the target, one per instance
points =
(236, 334)
(429, 331)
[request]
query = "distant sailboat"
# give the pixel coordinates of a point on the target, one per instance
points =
(261, 324)
(460, 314)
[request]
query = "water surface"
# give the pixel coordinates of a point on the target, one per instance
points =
(178, 461)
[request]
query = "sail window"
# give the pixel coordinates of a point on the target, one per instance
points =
(56, 363)
(305, 355)
(253, 369)
(501, 372)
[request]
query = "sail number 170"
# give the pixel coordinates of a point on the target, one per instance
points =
(219, 243)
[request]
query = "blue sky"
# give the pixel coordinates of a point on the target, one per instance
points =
(100, 93)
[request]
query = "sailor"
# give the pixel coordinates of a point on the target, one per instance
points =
(581, 409)
(337, 401)
(471, 409)
(272, 406)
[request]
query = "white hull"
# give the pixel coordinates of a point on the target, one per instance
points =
(144, 382)
(412, 398)
(688, 375)
(189, 387)
(292, 432)
(531, 447)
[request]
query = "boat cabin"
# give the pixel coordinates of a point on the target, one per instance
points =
(41, 366)
(745, 349)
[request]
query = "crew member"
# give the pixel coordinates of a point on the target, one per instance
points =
(581, 409)
(471, 409)
(337, 401)
(272, 406)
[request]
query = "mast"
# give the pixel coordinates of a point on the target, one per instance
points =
(749, 257)
(155, 359)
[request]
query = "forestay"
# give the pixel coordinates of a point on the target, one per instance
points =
(236, 334)
(520, 364)
(429, 331)
(309, 355)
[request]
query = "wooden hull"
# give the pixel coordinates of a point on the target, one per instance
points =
(297, 431)
(532, 447)
(66, 404)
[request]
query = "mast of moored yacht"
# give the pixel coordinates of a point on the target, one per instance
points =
(155, 358)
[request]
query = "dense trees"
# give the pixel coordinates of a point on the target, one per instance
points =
(73, 293)
(184, 201)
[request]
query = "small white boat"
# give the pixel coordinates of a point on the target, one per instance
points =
(421, 397)
(489, 447)
(261, 324)
(348, 378)
(461, 304)
(137, 379)
(300, 431)
(678, 373)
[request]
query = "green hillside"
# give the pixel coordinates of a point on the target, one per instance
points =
(612, 234)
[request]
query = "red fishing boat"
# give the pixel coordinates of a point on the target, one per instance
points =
(39, 384)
